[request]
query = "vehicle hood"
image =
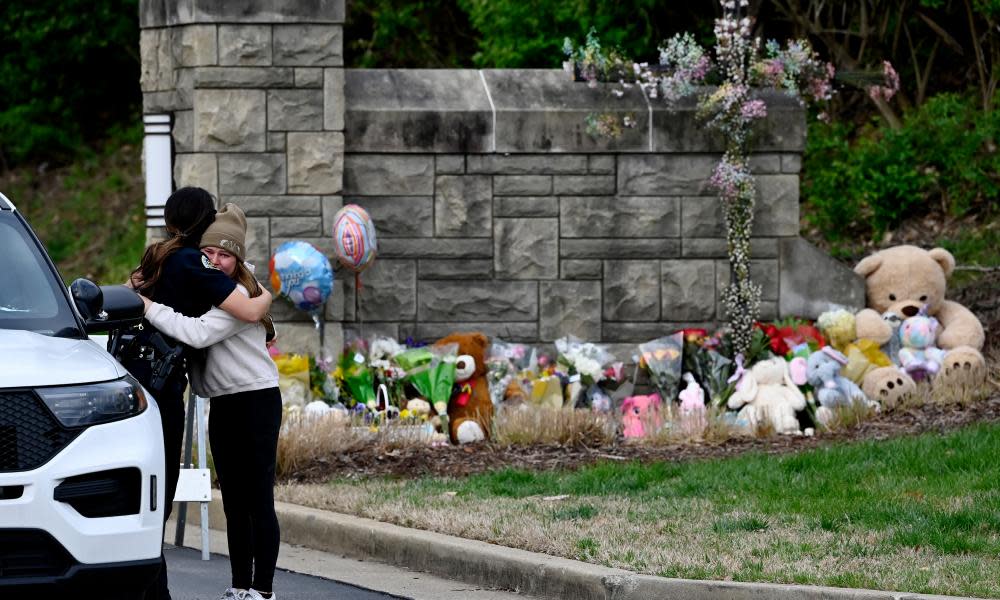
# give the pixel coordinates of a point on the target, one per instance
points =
(29, 359)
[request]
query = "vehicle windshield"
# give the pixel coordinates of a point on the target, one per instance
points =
(31, 296)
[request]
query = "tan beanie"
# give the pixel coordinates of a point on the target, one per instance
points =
(228, 231)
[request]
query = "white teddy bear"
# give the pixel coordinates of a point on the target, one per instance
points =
(766, 393)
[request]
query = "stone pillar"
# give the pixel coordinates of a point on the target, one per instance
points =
(256, 96)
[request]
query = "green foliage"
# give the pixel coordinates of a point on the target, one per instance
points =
(421, 34)
(90, 215)
(69, 71)
(945, 154)
(515, 33)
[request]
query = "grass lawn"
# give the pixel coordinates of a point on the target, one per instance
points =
(919, 514)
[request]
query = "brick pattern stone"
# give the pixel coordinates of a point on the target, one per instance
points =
(553, 233)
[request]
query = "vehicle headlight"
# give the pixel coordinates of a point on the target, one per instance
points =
(83, 405)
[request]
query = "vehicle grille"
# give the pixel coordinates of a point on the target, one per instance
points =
(31, 553)
(29, 434)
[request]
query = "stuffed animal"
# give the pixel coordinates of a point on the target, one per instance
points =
(470, 417)
(839, 327)
(919, 357)
(639, 411)
(901, 280)
(692, 407)
(766, 393)
(831, 388)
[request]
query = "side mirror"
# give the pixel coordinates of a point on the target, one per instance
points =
(106, 307)
(89, 299)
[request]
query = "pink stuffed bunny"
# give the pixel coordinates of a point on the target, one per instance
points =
(640, 410)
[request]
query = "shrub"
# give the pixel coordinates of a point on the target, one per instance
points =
(945, 154)
(69, 72)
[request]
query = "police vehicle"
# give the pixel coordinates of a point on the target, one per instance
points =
(81, 451)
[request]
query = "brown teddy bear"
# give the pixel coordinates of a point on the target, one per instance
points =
(898, 282)
(470, 411)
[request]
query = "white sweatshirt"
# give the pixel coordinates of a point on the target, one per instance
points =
(237, 358)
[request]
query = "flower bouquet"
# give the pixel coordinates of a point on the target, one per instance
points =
(293, 379)
(357, 377)
(583, 363)
(503, 362)
(431, 370)
(387, 373)
(663, 358)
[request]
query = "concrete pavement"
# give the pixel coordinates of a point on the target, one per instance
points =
(395, 580)
(497, 567)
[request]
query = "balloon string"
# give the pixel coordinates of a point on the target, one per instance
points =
(357, 282)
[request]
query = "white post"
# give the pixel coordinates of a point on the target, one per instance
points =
(203, 464)
(158, 166)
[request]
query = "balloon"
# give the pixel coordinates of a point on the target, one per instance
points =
(354, 238)
(302, 274)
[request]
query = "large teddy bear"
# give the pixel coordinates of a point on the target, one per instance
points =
(899, 282)
(470, 412)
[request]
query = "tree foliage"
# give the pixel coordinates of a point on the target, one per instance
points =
(69, 70)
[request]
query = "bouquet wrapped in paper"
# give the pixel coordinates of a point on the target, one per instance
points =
(293, 379)
(584, 364)
(663, 358)
(503, 363)
(386, 371)
(431, 370)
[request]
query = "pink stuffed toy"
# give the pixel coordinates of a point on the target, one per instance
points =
(692, 397)
(637, 410)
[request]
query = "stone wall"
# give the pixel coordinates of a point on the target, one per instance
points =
(495, 209)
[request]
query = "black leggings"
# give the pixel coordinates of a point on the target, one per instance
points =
(170, 401)
(243, 434)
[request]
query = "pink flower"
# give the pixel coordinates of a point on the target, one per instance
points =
(888, 90)
(753, 109)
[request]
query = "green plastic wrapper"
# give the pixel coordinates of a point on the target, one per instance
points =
(358, 377)
(431, 370)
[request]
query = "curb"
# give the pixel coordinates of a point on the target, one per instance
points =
(530, 573)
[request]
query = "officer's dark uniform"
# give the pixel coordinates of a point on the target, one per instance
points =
(190, 285)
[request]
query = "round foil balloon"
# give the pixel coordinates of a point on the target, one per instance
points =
(302, 274)
(354, 238)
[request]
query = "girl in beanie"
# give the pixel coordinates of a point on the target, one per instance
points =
(173, 274)
(242, 382)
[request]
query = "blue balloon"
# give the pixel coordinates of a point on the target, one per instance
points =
(302, 274)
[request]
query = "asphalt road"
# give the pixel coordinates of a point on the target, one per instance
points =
(194, 579)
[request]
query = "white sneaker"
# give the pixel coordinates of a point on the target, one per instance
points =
(234, 594)
(253, 594)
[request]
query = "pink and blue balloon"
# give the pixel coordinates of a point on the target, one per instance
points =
(302, 274)
(354, 238)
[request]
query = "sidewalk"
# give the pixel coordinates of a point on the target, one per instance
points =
(497, 567)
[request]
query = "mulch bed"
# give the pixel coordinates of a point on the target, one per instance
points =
(983, 298)
(458, 461)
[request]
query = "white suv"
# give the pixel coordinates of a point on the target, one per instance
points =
(81, 452)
